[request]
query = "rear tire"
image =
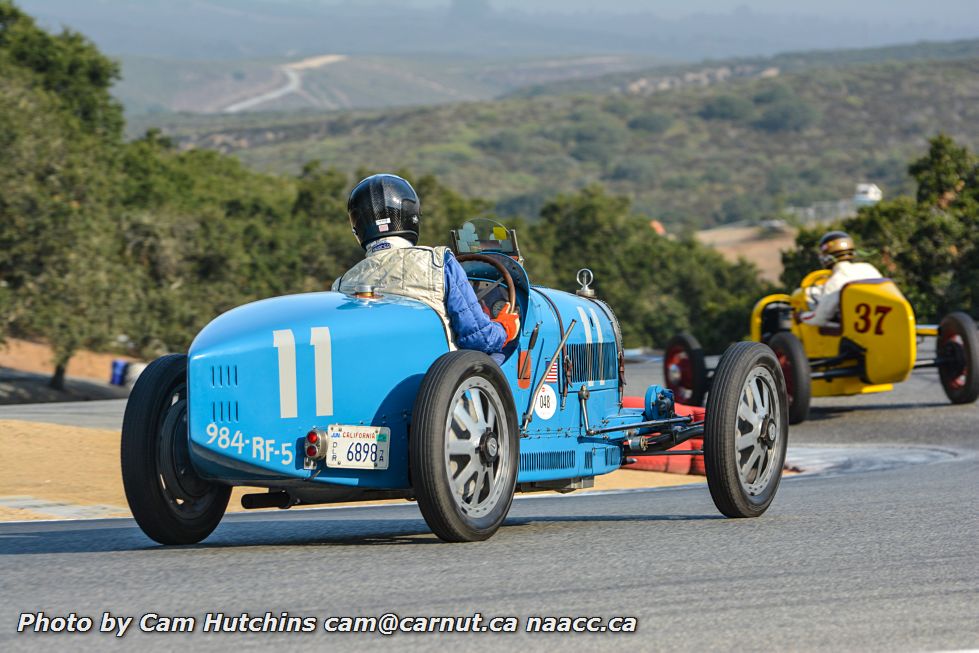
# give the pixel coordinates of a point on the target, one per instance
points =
(958, 343)
(169, 501)
(463, 449)
(746, 430)
(798, 375)
(684, 369)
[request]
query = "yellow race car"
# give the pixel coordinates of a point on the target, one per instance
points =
(873, 347)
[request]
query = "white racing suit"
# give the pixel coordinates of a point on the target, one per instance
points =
(824, 300)
(432, 276)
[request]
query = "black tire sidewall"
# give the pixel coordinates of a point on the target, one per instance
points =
(963, 325)
(145, 413)
(430, 479)
(801, 380)
(720, 459)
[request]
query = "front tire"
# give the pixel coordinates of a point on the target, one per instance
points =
(958, 347)
(168, 500)
(798, 375)
(685, 370)
(746, 430)
(464, 447)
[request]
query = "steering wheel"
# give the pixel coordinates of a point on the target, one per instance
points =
(504, 275)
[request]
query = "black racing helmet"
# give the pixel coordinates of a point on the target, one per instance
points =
(834, 247)
(382, 206)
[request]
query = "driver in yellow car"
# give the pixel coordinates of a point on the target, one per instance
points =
(836, 253)
(384, 213)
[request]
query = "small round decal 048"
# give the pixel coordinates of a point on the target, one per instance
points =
(546, 402)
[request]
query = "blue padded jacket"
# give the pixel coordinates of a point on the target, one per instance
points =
(472, 328)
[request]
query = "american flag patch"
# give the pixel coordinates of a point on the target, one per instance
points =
(551, 374)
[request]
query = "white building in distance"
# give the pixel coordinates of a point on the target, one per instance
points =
(867, 195)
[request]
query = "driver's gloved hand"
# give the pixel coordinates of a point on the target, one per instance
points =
(509, 320)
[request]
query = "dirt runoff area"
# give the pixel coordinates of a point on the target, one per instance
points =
(39, 480)
(759, 246)
(37, 357)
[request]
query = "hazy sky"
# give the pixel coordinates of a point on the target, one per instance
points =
(678, 29)
(936, 11)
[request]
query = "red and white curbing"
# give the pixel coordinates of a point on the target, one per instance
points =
(672, 464)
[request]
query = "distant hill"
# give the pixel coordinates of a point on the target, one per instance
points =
(206, 55)
(693, 156)
(688, 74)
(326, 82)
(154, 85)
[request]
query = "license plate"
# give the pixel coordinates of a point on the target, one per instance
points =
(358, 447)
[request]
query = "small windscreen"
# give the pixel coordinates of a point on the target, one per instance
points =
(483, 235)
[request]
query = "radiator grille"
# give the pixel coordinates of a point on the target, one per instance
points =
(613, 456)
(547, 460)
(589, 459)
(595, 361)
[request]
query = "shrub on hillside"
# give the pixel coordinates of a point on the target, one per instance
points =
(726, 107)
(653, 122)
(791, 114)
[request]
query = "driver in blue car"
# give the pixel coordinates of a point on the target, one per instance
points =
(384, 213)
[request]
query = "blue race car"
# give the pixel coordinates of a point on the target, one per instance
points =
(326, 397)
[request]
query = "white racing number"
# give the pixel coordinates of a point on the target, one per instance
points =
(285, 342)
(262, 448)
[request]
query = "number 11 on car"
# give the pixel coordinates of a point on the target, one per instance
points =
(285, 343)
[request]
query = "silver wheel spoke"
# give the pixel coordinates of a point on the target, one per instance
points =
(745, 410)
(477, 447)
(490, 481)
(765, 401)
(490, 417)
(459, 447)
(756, 398)
(752, 459)
(481, 481)
(476, 402)
(758, 408)
(464, 419)
(747, 440)
(464, 476)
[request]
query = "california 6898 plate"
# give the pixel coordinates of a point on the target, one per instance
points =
(358, 447)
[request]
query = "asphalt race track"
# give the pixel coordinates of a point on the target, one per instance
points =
(877, 551)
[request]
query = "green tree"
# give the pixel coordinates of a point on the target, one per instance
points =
(944, 172)
(56, 233)
(327, 247)
(656, 286)
(202, 234)
(927, 244)
(68, 65)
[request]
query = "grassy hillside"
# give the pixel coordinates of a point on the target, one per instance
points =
(154, 85)
(693, 156)
(788, 62)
